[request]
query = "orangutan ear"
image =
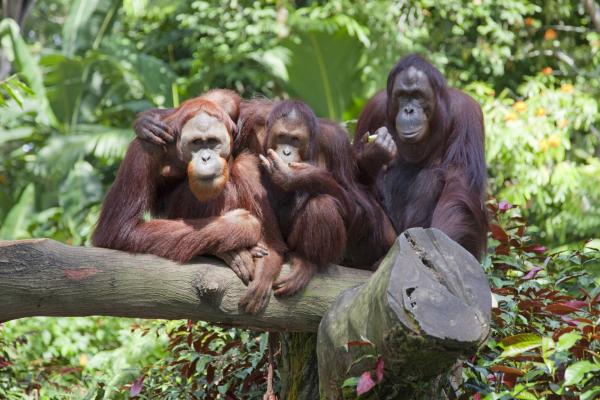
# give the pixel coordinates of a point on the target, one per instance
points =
(227, 99)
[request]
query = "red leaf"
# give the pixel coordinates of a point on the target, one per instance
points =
(498, 233)
(230, 345)
(530, 304)
(575, 303)
(4, 363)
(535, 248)
(210, 373)
(191, 370)
(506, 370)
(569, 321)
(502, 250)
(136, 387)
(365, 383)
(509, 380)
(504, 206)
(560, 308)
(476, 396)
(532, 273)
(359, 343)
(379, 369)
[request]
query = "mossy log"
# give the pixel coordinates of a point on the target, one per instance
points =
(427, 305)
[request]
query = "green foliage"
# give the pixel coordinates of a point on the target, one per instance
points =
(545, 341)
(542, 153)
(207, 362)
(83, 69)
(74, 357)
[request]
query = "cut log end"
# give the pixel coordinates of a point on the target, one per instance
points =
(427, 305)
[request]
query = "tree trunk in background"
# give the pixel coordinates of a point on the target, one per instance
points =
(593, 11)
(17, 10)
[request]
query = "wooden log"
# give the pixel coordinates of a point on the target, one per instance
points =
(428, 304)
(45, 278)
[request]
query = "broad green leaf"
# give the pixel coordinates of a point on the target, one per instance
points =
(63, 80)
(520, 338)
(592, 394)
(20, 133)
(518, 344)
(78, 193)
(57, 157)
(548, 346)
(323, 69)
(576, 372)
(154, 75)
(87, 24)
(15, 224)
(568, 340)
(350, 382)
(12, 93)
(525, 395)
(26, 64)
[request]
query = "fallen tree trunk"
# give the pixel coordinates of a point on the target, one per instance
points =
(427, 305)
(46, 278)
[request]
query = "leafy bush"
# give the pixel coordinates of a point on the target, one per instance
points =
(206, 362)
(542, 154)
(83, 357)
(545, 341)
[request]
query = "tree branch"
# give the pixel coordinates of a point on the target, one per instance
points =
(44, 277)
(594, 12)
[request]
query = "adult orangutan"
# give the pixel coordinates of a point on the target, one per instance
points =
(193, 197)
(427, 157)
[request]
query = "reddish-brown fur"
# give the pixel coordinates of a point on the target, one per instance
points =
(185, 227)
(439, 182)
(339, 216)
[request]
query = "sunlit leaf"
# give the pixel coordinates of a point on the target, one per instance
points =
(576, 372)
(15, 224)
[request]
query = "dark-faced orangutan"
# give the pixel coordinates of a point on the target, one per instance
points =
(193, 197)
(426, 154)
(323, 214)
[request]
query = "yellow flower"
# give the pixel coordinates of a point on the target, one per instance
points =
(563, 123)
(83, 360)
(540, 112)
(543, 145)
(554, 140)
(550, 34)
(547, 70)
(566, 88)
(520, 106)
(511, 116)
